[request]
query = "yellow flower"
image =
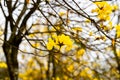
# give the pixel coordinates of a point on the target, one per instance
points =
(115, 7)
(80, 52)
(1, 32)
(31, 35)
(36, 45)
(3, 65)
(83, 73)
(50, 44)
(65, 77)
(118, 30)
(104, 10)
(56, 27)
(118, 52)
(58, 41)
(90, 33)
(86, 72)
(95, 79)
(87, 20)
(110, 25)
(70, 68)
(61, 38)
(57, 78)
(65, 40)
(62, 13)
(118, 27)
(118, 34)
(77, 29)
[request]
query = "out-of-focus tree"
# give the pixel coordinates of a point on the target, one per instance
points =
(61, 39)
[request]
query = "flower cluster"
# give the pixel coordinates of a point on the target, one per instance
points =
(59, 41)
(104, 10)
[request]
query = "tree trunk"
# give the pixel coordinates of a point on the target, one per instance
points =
(10, 49)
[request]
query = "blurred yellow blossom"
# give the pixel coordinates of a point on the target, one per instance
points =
(80, 53)
(1, 32)
(90, 33)
(110, 25)
(95, 79)
(59, 41)
(77, 29)
(62, 13)
(50, 44)
(118, 30)
(104, 9)
(118, 52)
(65, 77)
(115, 7)
(70, 68)
(88, 21)
(3, 65)
(86, 72)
